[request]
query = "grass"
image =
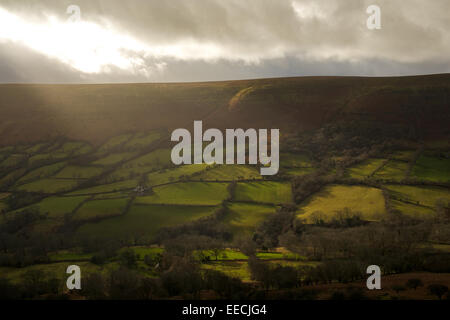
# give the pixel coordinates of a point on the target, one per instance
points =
(12, 161)
(46, 157)
(150, 162)
(225, 255)
(264, 192)
(106, 188)
(69, 147)
(403, 155)
(295, 160)
(57, 207)
(49, 185)
(299, 171)
(365, 200)
(412, 210)
(432, 169)
(42, 172)
(56, 270)
(189, 193)
(393, 170)
(114, 158)
(115, 142)
(419, 195)
(230, 173)
(244, 217)
(365, 169)
(143, 221)
(101, 209)
(147, 251)
(68, 255)
(11, 177)
(78, 172)
(142, 140)
(155, 159)
(170, 175)
(233, 269)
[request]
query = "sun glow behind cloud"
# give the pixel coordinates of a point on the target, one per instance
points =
(93, 48)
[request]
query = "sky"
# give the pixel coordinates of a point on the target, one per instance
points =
(98, 41)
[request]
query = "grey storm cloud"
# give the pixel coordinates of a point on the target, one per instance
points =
(193, 40)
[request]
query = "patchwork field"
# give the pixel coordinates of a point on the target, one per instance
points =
(365, 169)
(245, 217)
(230, 173)
(298, 171)
(115, 142)
(100, 209)
(46, 158)
(233, 269)
(78, 172)
(57, 207)
(406, 155)
(49, 185)
(291, 160)
(419, 195)
(42, 172)
(264, 192)
(393, 170)
(412, 210)
(369, 202)
(144, 164)
(114, 158)
(144, 221)
(432, 169)
(110, 187)
(190, 193)
(140, 140)
(170, 175)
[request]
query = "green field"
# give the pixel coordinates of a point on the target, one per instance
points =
(150, 162)
(12, 161)
(11, 177)
(290, 160)
(114, 158)
(245, 217)
(101, 209)
(365, 169)
(393, 170)
(190, 193)
(369, 202)
(49, 185)
(298, 171)
(155, 159)
(419, 195)
(144, 221)
(415, 211)
(233, 269)
(264, 192)
(57, 270)
(403, 155)
(42, 172)
(110, 187)
(69, 147)
(57, 207)
(78, 172)
(47, 157)
(230, 173)
(140, 140)
(115, 142)
(171, 175)
(432, 169)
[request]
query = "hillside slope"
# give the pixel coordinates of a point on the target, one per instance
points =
(96, 112)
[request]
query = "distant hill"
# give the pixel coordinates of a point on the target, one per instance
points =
(94, 113)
